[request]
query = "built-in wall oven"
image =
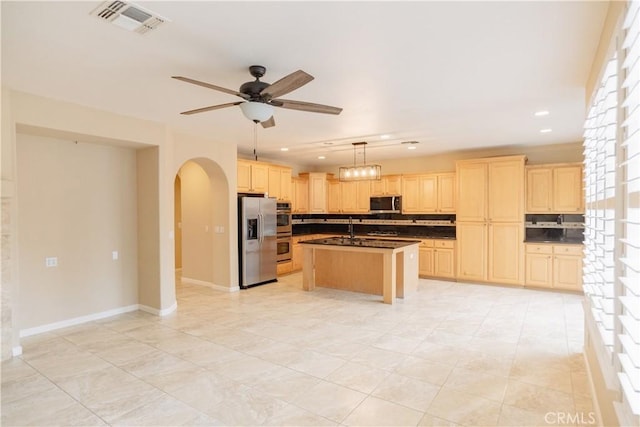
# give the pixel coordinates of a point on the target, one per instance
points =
(283, 221)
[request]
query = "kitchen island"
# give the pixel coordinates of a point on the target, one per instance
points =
(374, 266)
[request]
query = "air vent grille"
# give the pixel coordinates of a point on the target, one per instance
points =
(129, 16)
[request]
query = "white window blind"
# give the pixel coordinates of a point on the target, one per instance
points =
(600, 192)
(629, 293)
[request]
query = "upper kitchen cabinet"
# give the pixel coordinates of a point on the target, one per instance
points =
(300, 193)
(334, 196)
(555, 189)
(348, 197)
(428, 193)
(252, 177)
(280, 182)
(388, 185)
(491, 189)
(317, 192)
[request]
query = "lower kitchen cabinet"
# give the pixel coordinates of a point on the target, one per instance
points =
(554, 266)
(437, 258)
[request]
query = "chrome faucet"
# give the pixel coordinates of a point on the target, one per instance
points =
(351, 236)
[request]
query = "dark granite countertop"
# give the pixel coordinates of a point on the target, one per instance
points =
(385, 236)
(362, 242)
(556, 242)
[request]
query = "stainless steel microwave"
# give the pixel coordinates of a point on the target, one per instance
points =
(385, 204)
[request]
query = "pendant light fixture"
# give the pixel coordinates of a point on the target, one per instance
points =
(363, 172)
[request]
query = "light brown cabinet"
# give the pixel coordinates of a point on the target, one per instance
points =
(317, 192)
(300, 193)
(490, 220)
(428, 193)
(252, 177)
(437, 258)
(555, 189)
(334, 196)
(387, 185)
(554, 266)
(348, 197)
(280, 182)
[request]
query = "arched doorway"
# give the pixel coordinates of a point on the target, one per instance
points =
(201, 199)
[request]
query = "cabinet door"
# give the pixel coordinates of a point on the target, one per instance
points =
(471, 242)
(539, 270)
(378, 187)
(425, 261)
(410, 194)
(296, 257)
(428, 193)
(274, 182)
(394, 185)
(348, 197)
(539, 190)
(317, 193)
(506, 190)
(443, 263)
(363, 192)
(567, 272)
(334, 196)
(505, 253)
(259, 178)
(447, 193)
(568, 195)
(301, 199)
(285, 184)
(471, 199)
(244, 177)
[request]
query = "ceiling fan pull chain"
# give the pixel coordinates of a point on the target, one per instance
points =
(255, 141)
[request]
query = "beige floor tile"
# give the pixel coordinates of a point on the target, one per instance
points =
(286, 384)
(246, 407)
(56, 367)
(396, 343)
(25, 386)
(377, 412)
(535, 398)
(82, 386)
(164, 411)
(330, 400)
(45, 408)
(316, 364)
(125, 352)
(379, 358)
(513, 416)
(357, 377)
(292, 415)
(477, 383)
(438, 353)
(464, 408)
(205, 391)
(406, 391)
(154, 363)
(429, 420)
(415, 367)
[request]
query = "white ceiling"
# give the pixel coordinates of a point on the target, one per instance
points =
(450, 75)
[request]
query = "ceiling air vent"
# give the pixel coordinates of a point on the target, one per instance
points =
(129, 16)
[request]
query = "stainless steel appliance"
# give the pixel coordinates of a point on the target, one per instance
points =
(283, 217)
(385, 204)
(284, 248)
(257, 244)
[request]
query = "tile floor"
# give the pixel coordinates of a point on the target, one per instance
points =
(452, 354)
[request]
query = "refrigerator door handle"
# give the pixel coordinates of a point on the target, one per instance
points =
(260, 228)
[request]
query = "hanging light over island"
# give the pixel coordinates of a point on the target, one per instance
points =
(362, 172)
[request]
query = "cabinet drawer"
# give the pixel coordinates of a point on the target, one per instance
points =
(568, 249)
(443, 243)
(539, 249)
(427, 243)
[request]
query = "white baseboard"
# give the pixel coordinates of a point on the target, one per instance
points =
(76, 321)
(16, 351)
(157, 312)
(210, 285)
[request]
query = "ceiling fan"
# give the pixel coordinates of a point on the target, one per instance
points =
(259, 97)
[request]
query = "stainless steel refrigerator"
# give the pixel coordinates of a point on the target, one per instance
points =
(257, 231)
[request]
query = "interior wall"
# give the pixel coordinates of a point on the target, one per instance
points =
(197, 227)
(446, 162)
(77, 203)
(177, 221)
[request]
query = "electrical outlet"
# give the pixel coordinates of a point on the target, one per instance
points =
(51, 261)
(114, 255)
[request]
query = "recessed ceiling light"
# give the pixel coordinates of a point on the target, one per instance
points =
(545, 130)
(541, 113)
(284, 149)
(328, 143)
(411, 147)
(385, 136)
(321, 157)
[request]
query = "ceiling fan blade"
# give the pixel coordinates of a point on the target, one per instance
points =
(268, 123)
(287, 84)
(213, 107)
(210, 86)
(306, 106)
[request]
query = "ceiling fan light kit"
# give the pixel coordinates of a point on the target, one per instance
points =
(256, 111)
(363, 172)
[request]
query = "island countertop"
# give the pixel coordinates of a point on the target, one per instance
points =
(361, 242)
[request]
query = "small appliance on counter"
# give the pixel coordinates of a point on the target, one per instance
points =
(257, 241)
